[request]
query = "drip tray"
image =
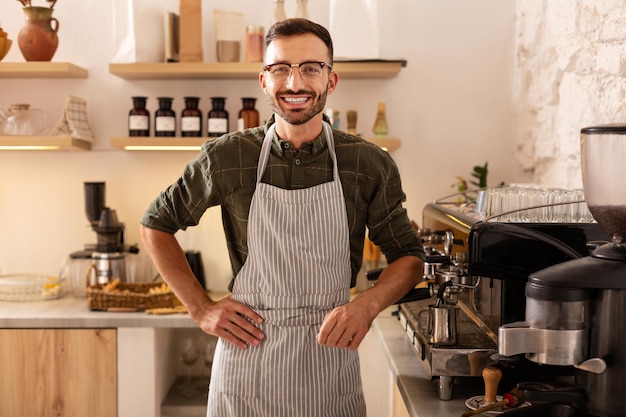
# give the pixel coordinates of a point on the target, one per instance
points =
(467, 357)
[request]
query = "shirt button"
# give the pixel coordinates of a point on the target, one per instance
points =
(286, 145)
(297, 162)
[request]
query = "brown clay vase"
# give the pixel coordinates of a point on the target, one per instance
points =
(38, 39)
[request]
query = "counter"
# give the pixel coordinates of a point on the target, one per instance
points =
(145, 349)
(411, 377)
(138, 331)
(71, 313)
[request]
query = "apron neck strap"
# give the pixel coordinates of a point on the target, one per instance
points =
(267, 145)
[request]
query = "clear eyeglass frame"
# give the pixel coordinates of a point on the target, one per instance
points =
(310, 71)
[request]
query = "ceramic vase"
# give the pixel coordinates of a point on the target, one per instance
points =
(38, 39)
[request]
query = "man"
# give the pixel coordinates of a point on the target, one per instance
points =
(296, 198)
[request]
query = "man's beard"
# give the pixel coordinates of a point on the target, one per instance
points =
(299, 117)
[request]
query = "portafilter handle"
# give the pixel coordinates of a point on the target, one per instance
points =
(441, 291)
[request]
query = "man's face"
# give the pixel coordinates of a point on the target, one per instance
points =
(295, 99)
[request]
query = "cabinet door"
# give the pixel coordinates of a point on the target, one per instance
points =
(376, 376)
(399, 408)
(58, 372)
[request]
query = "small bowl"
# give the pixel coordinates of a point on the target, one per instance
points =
(5, 45)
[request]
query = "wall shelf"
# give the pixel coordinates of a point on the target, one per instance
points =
(388, 144)
(240, 70)
(41, 70)
(43, 143)
(138, 143)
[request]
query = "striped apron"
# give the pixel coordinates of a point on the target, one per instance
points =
(297, 270)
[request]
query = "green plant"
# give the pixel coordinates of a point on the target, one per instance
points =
(480, 175)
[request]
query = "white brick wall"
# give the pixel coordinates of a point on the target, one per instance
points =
(570, 72)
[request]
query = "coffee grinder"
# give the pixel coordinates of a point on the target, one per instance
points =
(109, 254)
(576, 310)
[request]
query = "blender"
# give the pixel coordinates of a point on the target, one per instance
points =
(575, 312)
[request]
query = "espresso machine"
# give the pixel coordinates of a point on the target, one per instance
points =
(575, 316)
(108, 258)
(479, 260)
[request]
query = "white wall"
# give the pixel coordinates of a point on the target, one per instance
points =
(570, 73)
(450, 106)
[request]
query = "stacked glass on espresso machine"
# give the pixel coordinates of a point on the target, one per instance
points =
(480, 252)
(575, 316)
(107, 259)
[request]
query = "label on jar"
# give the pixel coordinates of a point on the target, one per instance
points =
(240, 123)
(138, 122)
(218, 125)
(190, 124)
(165, 124)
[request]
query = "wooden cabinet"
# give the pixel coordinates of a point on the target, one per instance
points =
(58, 372)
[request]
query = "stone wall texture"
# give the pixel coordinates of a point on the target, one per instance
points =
(570, 72)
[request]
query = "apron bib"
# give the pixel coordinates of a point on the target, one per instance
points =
(297, 270)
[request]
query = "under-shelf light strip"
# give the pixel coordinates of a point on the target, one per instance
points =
(28, 148)
(161, 148)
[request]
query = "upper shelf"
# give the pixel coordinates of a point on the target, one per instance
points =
(242, 70)
(37, 69)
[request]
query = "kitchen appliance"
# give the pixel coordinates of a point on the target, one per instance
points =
(109, 258)
(483, 260)
(575, 316)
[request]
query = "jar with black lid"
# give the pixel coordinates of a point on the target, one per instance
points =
(165, 118)
(191, 118)
(139, 118)
(217, 118)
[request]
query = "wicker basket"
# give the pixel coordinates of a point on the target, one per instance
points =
(134, 296)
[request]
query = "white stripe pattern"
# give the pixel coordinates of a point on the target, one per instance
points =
(298, 269)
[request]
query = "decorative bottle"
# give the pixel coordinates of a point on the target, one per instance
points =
(139, 118)
(302, 9)
(217, 118)
(381, 129)
(279, 11)
(165, 118)
(248, 115)
(191, 118)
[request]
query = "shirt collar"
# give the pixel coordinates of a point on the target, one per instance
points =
(315, 147)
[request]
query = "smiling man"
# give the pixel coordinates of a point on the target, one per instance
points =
(297, 197)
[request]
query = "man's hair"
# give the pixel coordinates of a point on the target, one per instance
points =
(293, 27)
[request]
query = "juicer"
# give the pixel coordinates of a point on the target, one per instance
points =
(575, 310)
(109, 258)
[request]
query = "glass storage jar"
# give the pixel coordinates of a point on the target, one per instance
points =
(165, 118)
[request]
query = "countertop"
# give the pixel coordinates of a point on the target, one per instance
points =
(72, 312)
(413, 381)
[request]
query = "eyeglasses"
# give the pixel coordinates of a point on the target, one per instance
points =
(309, 71)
